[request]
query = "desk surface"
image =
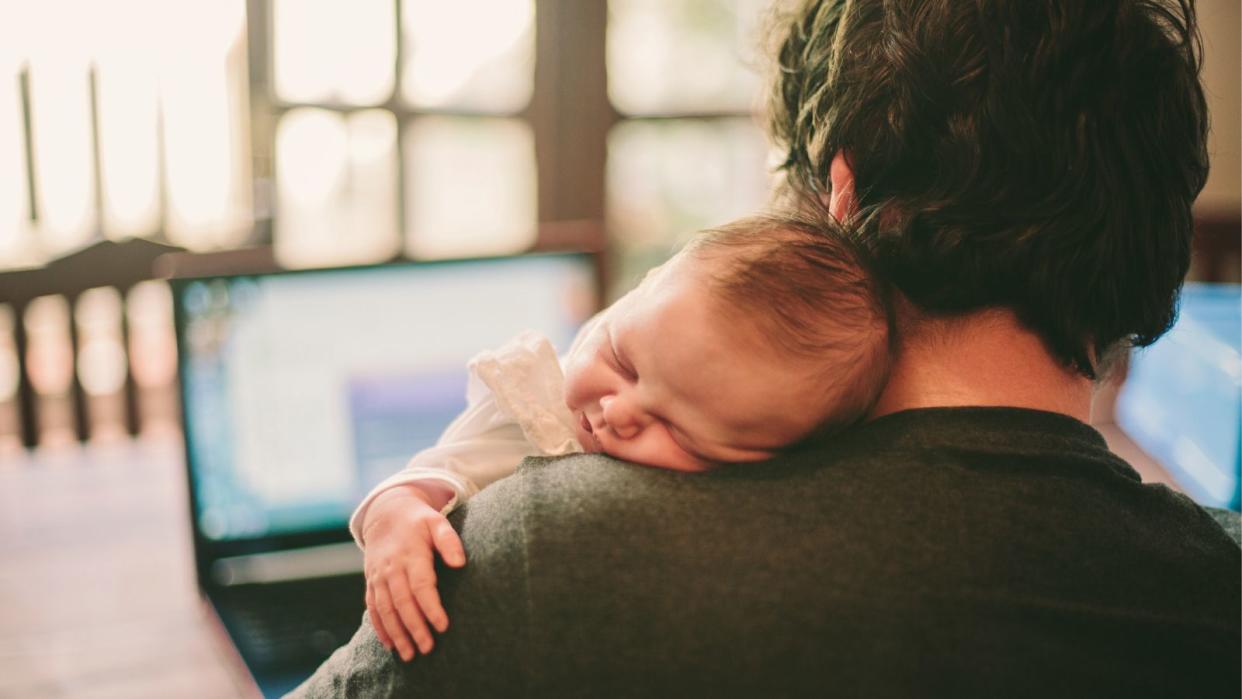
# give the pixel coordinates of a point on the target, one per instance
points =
(97, 592)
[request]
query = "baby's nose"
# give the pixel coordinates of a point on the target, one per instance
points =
(621, 417)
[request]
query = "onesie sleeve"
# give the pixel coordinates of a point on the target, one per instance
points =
(515, 409)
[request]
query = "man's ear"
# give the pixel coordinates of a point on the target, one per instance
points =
(842, 203)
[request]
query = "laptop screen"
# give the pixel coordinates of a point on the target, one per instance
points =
(302, 390)
(1182, 399)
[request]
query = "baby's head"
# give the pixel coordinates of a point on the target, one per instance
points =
(757, 335)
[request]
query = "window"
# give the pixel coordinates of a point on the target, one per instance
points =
(402, 134)
(686, 152)
(114, 129)
(357, 132)
(347, 133)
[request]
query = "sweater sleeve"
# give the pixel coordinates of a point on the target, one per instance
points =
(515, 409)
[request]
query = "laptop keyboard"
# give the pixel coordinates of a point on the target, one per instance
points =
(289, 624)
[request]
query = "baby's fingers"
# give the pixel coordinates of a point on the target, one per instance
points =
(411, 615)
(448, 543)
(392, 622)
(422, 578)
(376, 623)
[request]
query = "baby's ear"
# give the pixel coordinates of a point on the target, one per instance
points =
(842, 203)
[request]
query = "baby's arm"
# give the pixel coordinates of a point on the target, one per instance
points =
(401, 524)
(515, 410)
(405, 529)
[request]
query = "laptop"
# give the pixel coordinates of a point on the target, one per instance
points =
(303, 389)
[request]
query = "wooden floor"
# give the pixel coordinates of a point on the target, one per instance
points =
(97, 595)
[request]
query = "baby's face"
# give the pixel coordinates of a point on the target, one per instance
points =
(665, 377)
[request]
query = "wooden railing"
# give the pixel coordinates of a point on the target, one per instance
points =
(86, 346)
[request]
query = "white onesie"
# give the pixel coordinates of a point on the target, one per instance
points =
(515, 408)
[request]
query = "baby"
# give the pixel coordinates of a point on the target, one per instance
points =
(758, 335)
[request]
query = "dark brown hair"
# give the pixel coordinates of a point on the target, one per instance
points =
(1040, 155)
(810, 293)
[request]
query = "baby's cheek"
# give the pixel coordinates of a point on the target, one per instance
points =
(572, 392)
(656, 447)
(587, 379)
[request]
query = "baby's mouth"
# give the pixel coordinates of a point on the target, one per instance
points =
(591, 442)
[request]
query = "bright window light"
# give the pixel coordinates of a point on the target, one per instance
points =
(59, 62)
(102, 364)
(332, 51)
(469, 186)
(469, 54)
(17, 243)
(152, 345)
(10, 371)
(337, 187)
(127, 97)
(206, 138)
(669, 178)
(49, 352)
(679, 56)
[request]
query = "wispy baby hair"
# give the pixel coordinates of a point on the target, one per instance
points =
(810, 292)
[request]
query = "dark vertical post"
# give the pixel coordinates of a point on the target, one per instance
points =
(161, 174)
(394, 101)
(570, 110)
(81, 417)
(26, 412)
(262, 116)
(23, 86)
(133, 420)
(92, 81)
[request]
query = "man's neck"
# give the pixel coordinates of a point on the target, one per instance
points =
(984, 358)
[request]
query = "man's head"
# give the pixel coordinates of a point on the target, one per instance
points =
(756, 335)
(1040, 155)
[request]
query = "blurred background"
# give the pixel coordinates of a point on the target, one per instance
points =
(317, 133)
(350, 133)
(339, 134)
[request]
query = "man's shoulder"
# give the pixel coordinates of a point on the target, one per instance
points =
(600, 487)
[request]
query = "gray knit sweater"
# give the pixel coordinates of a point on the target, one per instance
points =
(954, 552)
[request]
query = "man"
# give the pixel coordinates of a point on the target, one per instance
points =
(1024, 171)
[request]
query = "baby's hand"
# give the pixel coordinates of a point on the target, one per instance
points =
(402, 532)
